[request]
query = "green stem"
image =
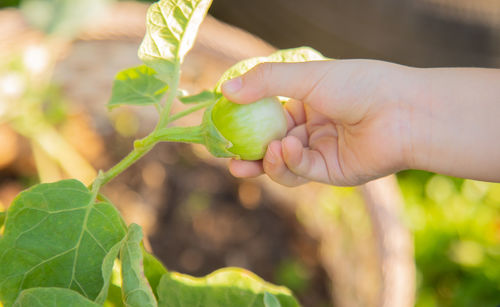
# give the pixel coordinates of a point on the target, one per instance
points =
(143, 146)
(193, 134)
(181, 114)
(147, 144)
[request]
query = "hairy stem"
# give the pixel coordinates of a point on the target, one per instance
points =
(134, 155)
(143, 146)
(189, 111)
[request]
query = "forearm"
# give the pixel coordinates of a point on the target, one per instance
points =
(454, 122)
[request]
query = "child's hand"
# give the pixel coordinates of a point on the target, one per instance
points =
(356, 120)
(346, 123)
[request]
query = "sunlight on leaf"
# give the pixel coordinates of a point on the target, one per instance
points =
(171, 29)
(137, 86)
(224, 287)
(293, 55)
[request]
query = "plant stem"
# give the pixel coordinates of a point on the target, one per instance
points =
(130, 159)
(189, 111)
(141, 147)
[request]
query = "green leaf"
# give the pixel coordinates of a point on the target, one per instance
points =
(224, 287)
(61, 17)
(135, 288)
(57, 235)
(114, 298)
(271, 300)
(171, 29)
(293, 55)
(199, 98)
(107, 271)
(153, 269)
(137, 86)
(2, 218)
(52, 297)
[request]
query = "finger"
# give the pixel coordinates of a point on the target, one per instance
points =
(294, 80)
(300, 132)
(276, 169)
(245, 169)
(304, 162)
(295, 109)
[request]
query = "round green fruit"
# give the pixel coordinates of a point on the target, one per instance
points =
(250, 127)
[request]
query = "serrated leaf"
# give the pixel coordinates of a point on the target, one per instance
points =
(198, 98)
(224, 287)
(300, 54)
(136, 291)
(52, 297)
(137, 86)
(56, 235)
(153, 269)
(171, 28)
(271, 300)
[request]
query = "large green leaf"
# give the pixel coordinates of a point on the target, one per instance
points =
(136, 291)
(137, 86)
(57, 235)
(293, 55)
(224, 287)
(171, 29)
(52, 297)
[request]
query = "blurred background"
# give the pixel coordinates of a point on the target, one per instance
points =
(416, 239)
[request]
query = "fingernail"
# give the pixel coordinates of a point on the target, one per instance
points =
(233, 85)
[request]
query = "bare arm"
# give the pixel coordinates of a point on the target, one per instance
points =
(455, 122)
(351, 121)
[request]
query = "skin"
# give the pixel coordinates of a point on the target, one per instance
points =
(352, 121)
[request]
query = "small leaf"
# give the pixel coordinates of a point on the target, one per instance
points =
(271, 300)
(153, 269)
(57, 235)
(137, 86)
(293, 55)
(224, 287)
(171, 29)
(198, 98)
(52, 297)
(135, 288)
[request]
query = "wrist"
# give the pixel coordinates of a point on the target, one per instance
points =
(415, 113)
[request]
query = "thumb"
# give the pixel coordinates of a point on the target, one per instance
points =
(292, 80)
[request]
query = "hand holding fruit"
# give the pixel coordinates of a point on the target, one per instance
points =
(355, 120)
